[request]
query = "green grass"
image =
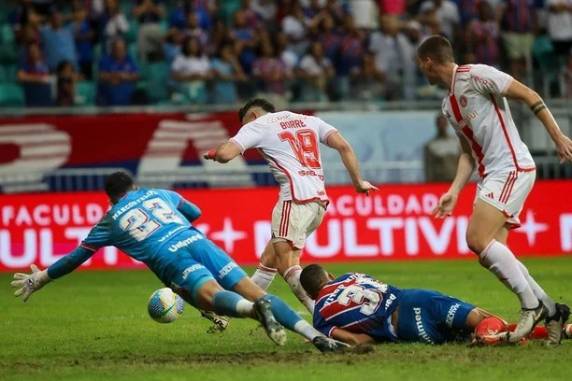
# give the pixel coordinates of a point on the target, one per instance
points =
(94, 325)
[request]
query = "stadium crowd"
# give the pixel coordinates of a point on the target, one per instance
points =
(111, 52)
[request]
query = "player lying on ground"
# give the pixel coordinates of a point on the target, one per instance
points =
(154, 227)
(356, 309)
(290, 144)
(477, 108)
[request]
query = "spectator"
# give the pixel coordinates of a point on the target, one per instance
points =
(65, 85)
(149, 39)
(84, 36)
(172, 44)
(368, 82)
(351, 53)
(482, 37)
(560, 26)
(315, 71)
(266, 10)
(228, 73)
(447, 15)
(270, 72)
(294, 27)
(392, 7)
(364, 13)
(330, 38)
(58, 42)
(114, 24)
(517, 25)
(245, 41)
(118, 74)
(34, 75)
(441, 154)
(191, 70)
(394, 55)
(194, 30)
(286, 55)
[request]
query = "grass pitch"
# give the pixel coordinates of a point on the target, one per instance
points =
(94, 325)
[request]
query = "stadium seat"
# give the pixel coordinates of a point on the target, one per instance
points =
(157, 81)
(11, 94)
(85, 93)
(7, 34)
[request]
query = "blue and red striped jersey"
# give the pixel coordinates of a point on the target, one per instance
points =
(357, 303)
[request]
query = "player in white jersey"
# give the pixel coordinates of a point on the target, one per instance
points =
(290, 144)
(477, 108)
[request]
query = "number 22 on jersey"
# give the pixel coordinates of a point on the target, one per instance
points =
(305, 146)
(139, 225)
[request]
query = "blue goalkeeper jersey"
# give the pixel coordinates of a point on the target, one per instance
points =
(142, 224)
(357, 303)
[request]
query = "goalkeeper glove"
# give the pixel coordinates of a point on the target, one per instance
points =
(27, 284)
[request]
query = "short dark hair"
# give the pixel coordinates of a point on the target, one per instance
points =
(436, 47)
(312, 278)
(117, 184)
(256, 102)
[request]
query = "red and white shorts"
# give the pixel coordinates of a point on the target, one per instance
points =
(295, 222)
(507, 192)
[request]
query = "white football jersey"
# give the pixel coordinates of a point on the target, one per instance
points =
(290, 144)
(480, 113)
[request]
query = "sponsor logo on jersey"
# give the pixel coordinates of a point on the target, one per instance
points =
(389, 300)
(463, 101)
(184, 243)
(420, 328)
(227, 269)
(191, 269)
(451, 314)
(491, 195)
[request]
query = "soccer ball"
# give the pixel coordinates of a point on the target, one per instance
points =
(165, 306)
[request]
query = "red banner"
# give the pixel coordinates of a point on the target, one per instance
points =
(392, 224)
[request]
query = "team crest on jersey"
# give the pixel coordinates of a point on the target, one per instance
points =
(463, 101)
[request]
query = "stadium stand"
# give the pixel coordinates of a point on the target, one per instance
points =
(271, 39)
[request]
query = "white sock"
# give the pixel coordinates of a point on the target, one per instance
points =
(305, 329)
(499, 260)
(244, 307)
(292, 277)
(263, 276)
(539, 291)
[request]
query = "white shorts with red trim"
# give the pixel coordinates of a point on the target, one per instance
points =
(507, 192)
(295, 222)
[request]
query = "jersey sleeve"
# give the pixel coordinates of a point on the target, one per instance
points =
(189, 210)
(249, 136)
(488, 80)
(99, 236)
(322, 325)
(324, 130)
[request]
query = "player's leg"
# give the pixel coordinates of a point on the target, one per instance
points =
(266, 270)
(557, 314)
(198, 287)
(283, 313)
(486, 222)
(291, 225)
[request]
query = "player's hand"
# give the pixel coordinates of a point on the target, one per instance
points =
(564, 149)
(446, 205)
(365, 187)
(210, 154)
(27, 284)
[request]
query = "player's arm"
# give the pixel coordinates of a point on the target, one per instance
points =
(518, 91)
(351, 338)
(224, 153)
(336, 141)
(27, 284)
(465, 168)
(189, 210)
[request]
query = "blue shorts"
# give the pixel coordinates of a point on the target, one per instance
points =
(198, 263)
(431, 317)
